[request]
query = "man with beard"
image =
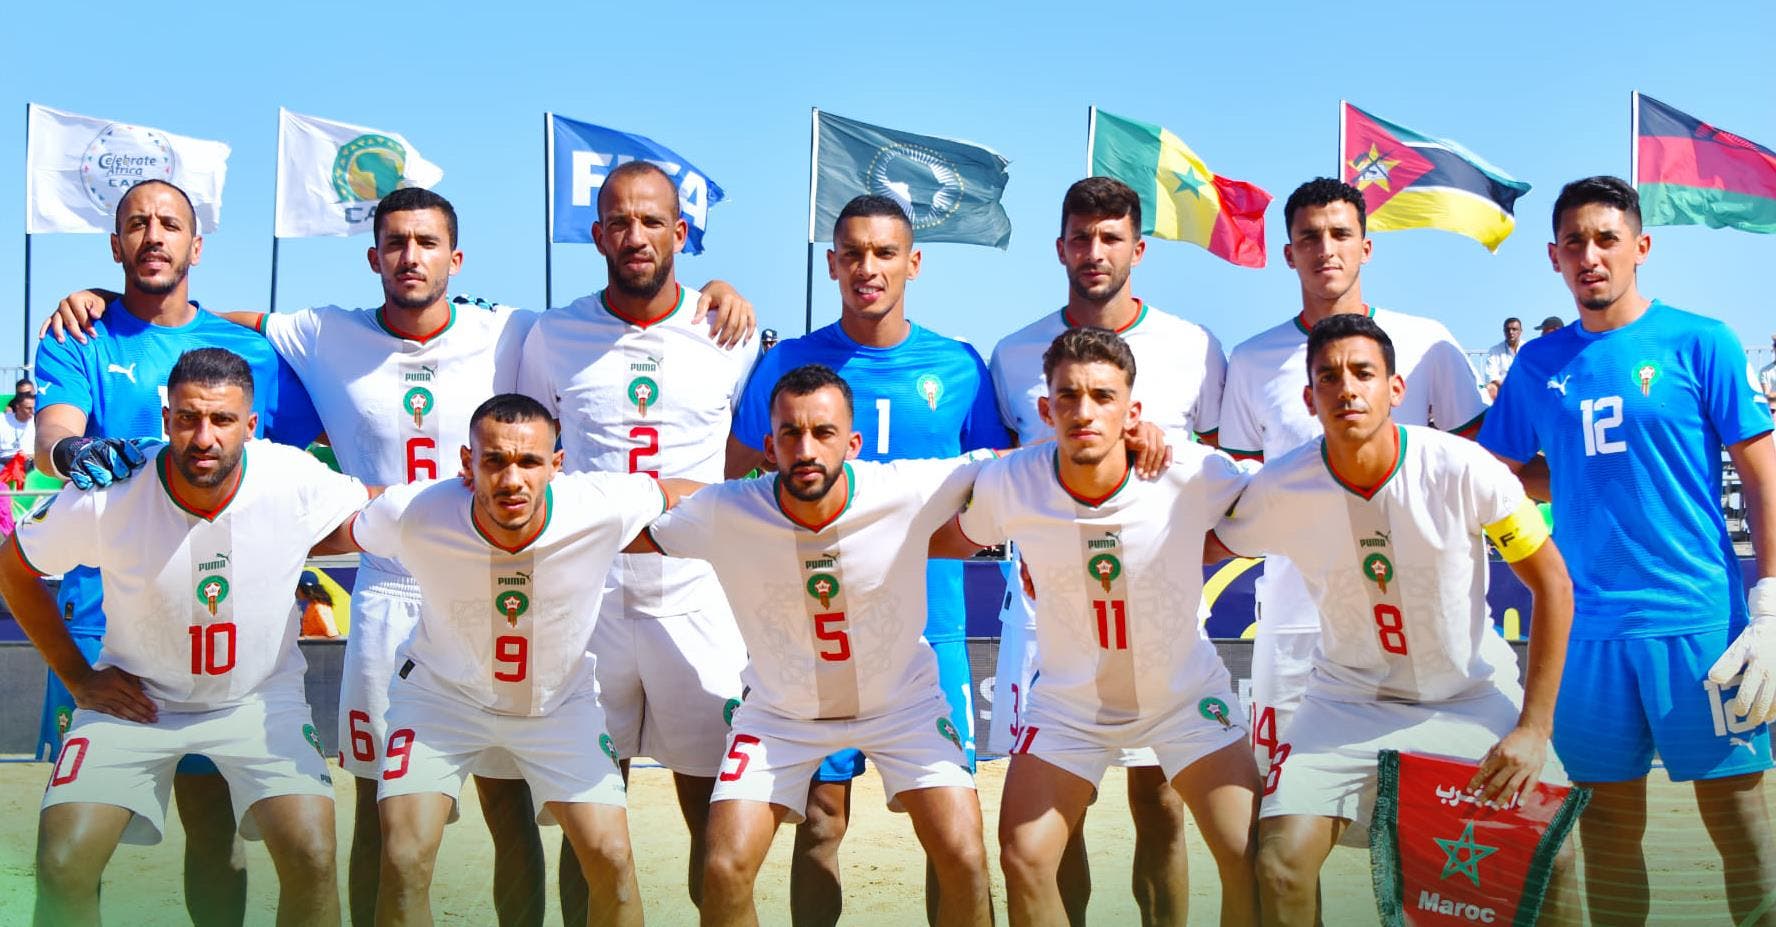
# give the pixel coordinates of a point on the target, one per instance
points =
(99, 394)
(639, 387)
(197, 563)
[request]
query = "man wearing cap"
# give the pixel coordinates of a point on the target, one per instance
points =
(1550, 324)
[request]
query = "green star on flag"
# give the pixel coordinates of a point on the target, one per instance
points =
(1189, 182)
(1463, 855)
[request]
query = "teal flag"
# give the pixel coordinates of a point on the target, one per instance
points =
(950, 189)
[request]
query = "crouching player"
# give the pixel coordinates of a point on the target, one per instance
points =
(824, 563)
(201, 657)
(511, 571)
(1122, 661)
(1384, 522)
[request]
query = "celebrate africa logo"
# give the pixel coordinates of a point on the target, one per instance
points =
(368, 168)
(1104, 568)
(512, 605)
(930, 388)
(417, 402)
(642, 392)
(211, 591)
(1645, 373)
(1379, 570)
(823, 586)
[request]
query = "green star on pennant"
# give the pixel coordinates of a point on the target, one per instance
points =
(1189, 182)
(1463, 855)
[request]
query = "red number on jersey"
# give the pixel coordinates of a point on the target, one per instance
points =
(1389, 627)
(400, 745)
(1264, 734)
(823, 631)
(514, 650)
(650, 445)
(363, 743)
(738, 759)
(1113, 624)
(212, 648)
(418, 467)
(68, 763)
(1021, 738)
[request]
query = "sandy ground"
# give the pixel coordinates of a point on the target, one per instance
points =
(883, 865)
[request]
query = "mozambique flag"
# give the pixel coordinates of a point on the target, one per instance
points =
(1691, 173)
(1414, 181)
(1181, 198)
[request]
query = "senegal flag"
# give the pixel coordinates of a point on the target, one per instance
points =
(1181, 198)
(1414, 181)
(1691, 173)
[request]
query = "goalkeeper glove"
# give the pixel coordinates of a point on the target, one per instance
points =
(1752, 657)
(90, 462)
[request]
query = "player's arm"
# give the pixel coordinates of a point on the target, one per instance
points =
(63, 451)
(33, 606)
(732, 320)
(674, 491)
(341, 540)
(741, 459)
(1752, 655)
(1533, 474)
(951, 543)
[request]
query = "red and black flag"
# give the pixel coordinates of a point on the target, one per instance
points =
(1692, 173)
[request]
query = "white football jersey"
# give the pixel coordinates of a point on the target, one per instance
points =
(833, 615)
(1263, 416)
(508, 629)
(1398, 572)
(1179, 368)
(655, 398)
(1118, 579)
(396, 408)
(199, 601)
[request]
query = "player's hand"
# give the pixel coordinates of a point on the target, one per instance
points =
(90, 462)
(732, 322)
(1513, 767)
(1752, 658)
(1152, 455)
(116, 693)
(75, 315)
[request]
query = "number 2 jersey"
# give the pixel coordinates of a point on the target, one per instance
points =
(199, 600)
(1118, 579)
(508, 628)
(832, 614)
(654, 397)
(1632, 422)
(1398, 572)
(396, 407)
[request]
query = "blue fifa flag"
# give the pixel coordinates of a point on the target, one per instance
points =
(584, 153)
(949, 188)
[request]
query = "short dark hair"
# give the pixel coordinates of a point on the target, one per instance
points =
(1089, 346)
(190, 210)
(1511, 318)
(1101, 198)
(1324, 191)
(413, 198)
(1347, 325)
(1604, 189)
(212, 367)
(512, 409)
(631, 168)
(810, 378)
(23, 382)
(869, 206)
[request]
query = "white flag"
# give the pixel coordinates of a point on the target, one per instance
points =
(78, 167)
(332, 174)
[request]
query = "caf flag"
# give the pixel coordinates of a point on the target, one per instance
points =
(581, 154)
(1441, 855)
(332, 174)
(950, 189)
(78, 167)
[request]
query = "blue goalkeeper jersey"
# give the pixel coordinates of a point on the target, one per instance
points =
(118, 379)
(1632, 422)
(928, 396)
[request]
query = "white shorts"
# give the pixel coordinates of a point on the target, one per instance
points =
(771, 758)
(265, 747)
(1331, 767)
(669, 684)
(1178, 737)
(1016, 671)
(436, 741)
(1282, 659)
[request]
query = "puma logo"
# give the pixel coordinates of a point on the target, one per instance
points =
(1559, 384)
(129, 371)
(1742, 742)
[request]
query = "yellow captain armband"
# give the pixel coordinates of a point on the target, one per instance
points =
(1519, 534)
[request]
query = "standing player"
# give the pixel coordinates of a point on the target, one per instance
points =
(1632, 407)
(97, 394)
(1383, 523)
(923, 395)
(1180, 393)
(197, 566)
(1263, 418)
(825, 562)
(1122, 661)
(639, 387)
(511, 571)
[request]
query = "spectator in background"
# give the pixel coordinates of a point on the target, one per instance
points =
(1498, 360)
(1767, 376)
(1551, 324)
(317, 607)
(17, 434)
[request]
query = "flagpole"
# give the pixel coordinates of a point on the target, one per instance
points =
(25, 315)
(548, 210)
(813, 181)
(1091, 135)
(1634, 139)
(277, 176)
(1338, 172)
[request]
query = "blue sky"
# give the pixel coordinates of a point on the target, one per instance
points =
(1541, 90)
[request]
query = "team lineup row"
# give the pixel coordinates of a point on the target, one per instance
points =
(637, 388)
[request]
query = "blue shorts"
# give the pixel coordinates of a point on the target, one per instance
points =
(58, 709)
(1622, 700)
(957, 681)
